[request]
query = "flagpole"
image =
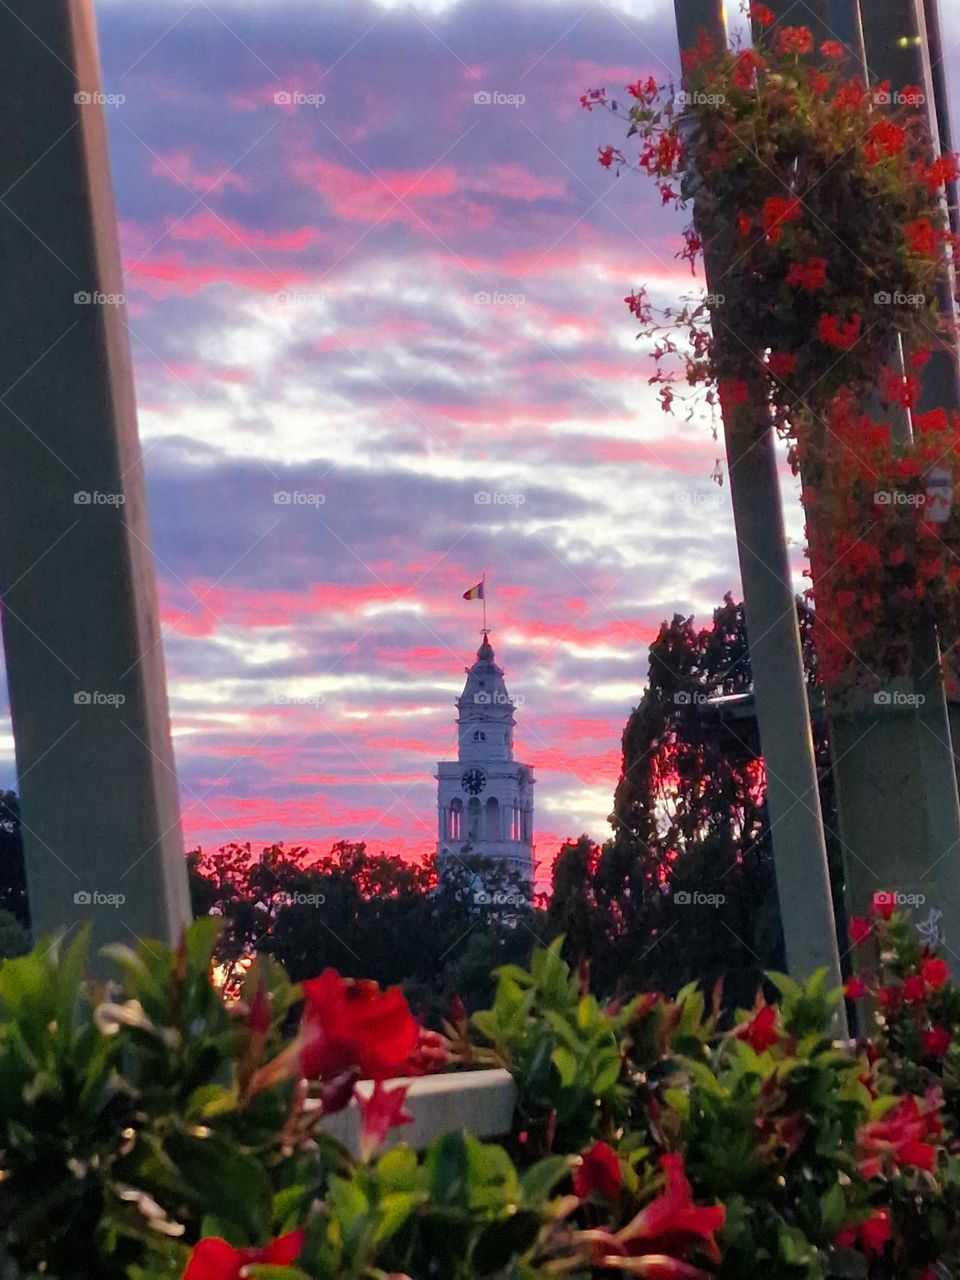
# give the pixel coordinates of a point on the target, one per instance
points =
(484, 598)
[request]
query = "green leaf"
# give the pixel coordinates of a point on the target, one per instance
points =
(537, 1182)
(565, 1063)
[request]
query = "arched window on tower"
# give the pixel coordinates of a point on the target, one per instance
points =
(479, 735)
(473, 819)
(491, 820)
(456, 819)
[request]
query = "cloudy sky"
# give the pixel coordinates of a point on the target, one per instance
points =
(398, 289)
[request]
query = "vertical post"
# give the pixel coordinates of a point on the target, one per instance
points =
(80, 617)
(895, 769)
(793, 798)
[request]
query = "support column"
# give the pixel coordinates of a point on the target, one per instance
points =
(80, 618)
(793, 798)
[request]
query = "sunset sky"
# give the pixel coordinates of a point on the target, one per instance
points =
(391, 300)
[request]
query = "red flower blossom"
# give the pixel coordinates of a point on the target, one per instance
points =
(884, 140)
(645, 90)
(775, 212)
(349, 1023)
(860, 930)
(732, 392)
(745, 68)
(809, 276)
(943, 170)
(761, 15)
(897, 1141)
(794, 40)
(672, 1223)
(761, 1031)
(379, 1113)
(855, 989)
(921, 237)
(700, 52)
(914, 990)
(839, 333)
(607, 156)
(819, 81)
(781, 364)
(935, 1042)
(598, 1170)
(832, 49)
(935, 972)
(744, 223)
(919, 358)
(871, 1235)
(214, 1259)
(593, 98)
(851, 96)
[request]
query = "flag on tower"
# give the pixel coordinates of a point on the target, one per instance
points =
(475, 593)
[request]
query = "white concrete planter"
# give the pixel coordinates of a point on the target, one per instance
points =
(481, 1102)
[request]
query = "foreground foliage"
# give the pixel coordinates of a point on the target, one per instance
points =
(150, 1129)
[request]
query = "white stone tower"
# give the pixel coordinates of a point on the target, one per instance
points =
(485, 797)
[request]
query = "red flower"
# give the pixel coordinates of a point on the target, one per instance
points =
(872, 1235)
(702, 51)
(761, 15)
(673, 1223)
(842, 334)
(921, 237)
(794, 40)
(353, 1024)
(855, 989)
(732, 392)
(761, 1031)
(819, 81)
(214, 1259)
(744, 223)
(934, 972)
(745, 69)
(919, 358)
(598, 1170)
(914, 989)
(935, 1042)
(379, 1113)
(593, 98)
(607, 155)
(897, 1141)
(810, 275)
(943, 170)
(851, 96)
(781, 363)
(883, 904)
(860, 930)
(775, 212)
(884, 140)
(832, 49)
(645, 90)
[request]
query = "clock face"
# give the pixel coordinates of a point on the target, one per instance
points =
(473, 781)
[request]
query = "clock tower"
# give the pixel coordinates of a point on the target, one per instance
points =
(485, 797)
